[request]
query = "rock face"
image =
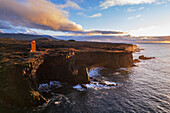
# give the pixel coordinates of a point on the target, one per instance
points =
(17, 89)
(104, 59)
(74, 69)
(82, 76)
(66, 61)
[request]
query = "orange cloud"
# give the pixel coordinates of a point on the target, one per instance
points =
(40, 14)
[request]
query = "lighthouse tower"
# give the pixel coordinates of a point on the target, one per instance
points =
(33, 46)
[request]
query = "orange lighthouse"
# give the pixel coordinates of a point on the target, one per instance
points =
(33, 46)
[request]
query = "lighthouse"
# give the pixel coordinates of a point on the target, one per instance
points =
(33, 46)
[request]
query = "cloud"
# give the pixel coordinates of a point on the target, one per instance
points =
(69, 4)
(39, 14)
(119, 39)
(92, 16)
(152, 30)
(161, 2)
(4, 25)
(133, 10)
(23, 30)
(109, 3)
(27, 31)
(96, 15)
(115, 39)
(79, 0)
(144, 31)
(95, 32)
(141, 8)
(1, 31)
(81, 14)
(152, 39)
(137, 16)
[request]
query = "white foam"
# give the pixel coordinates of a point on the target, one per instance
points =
(110, 83)
(58, 102)
(43, 85)
(104, 85)
(43, 88)
(122, 68)
(94, 86)
(116, 73)
(55, 83)
(78, 87)
(46, 87)
(94, 72)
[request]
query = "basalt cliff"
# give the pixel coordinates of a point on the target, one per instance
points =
(21, 71)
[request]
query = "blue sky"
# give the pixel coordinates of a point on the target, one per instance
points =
(137, 17)
(124, 17)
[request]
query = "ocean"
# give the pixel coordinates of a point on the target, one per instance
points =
(144, 88)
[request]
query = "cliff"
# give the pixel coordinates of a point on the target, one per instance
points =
(66, 61)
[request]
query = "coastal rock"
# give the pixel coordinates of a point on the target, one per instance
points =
(142, 57)
(104, 59)
(136, 61)
(60, 103)
(21, 71)
(38, 99)
(82, 77)
(63, 69)
(54, 68)
(73, 68)
(18, 90)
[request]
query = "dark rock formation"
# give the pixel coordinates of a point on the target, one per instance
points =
(82, 76)
(142, 57)
(64, 61)
(74, 69)
(136, 61)
(112, 60)
(17, 89)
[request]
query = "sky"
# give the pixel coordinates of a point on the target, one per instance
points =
(86, 17)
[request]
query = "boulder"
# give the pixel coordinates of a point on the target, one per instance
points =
(136, 61)
(142, 57)
(82, 77)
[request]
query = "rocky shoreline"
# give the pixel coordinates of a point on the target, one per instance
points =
(21, 72)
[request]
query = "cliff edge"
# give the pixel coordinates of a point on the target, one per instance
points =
(66, 61)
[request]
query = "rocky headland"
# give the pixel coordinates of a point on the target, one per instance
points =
(21, 71)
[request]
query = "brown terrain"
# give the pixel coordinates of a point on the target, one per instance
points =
(66, 61)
